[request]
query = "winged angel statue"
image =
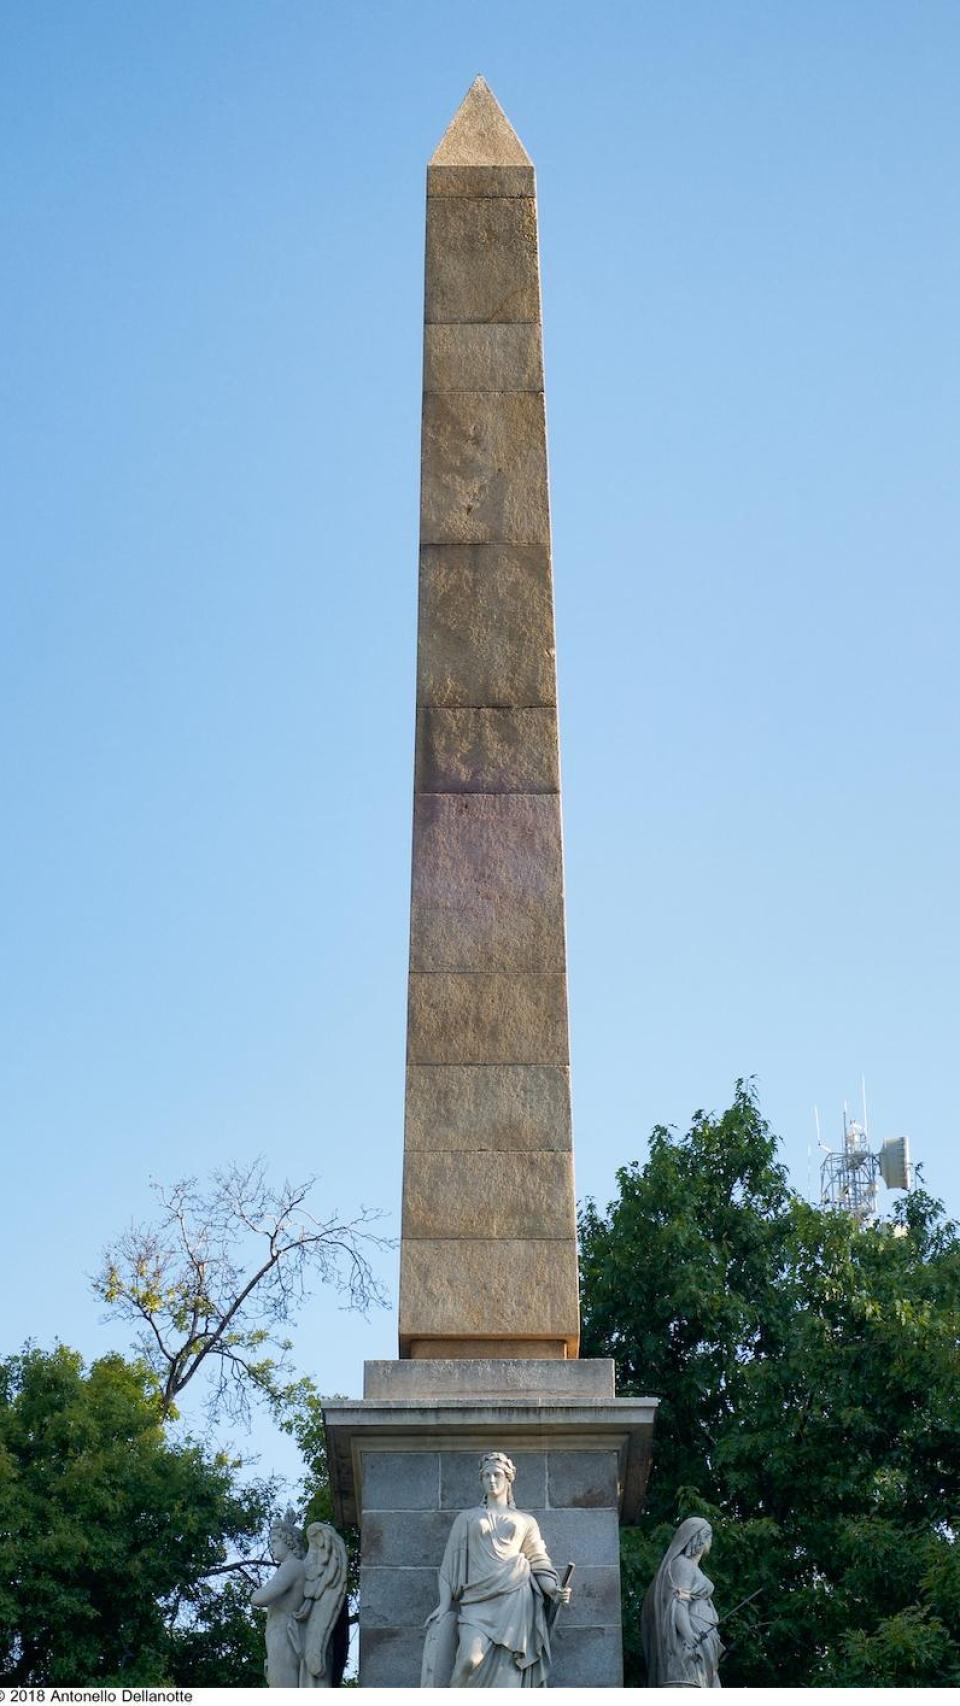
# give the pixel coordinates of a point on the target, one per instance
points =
(305, 1601)
(324, 1593)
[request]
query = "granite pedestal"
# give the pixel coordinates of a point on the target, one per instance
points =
(404, 1460)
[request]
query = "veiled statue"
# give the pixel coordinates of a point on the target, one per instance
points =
(305, 1602)
(678, 1625)
(499, 1595)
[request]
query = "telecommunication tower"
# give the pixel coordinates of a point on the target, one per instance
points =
(850, 1177)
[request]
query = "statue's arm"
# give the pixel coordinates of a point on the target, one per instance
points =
(278, 1584)
(682, 1618)
(682, 1585)
(536, 1552)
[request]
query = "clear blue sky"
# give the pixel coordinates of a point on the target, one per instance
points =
(212, 229)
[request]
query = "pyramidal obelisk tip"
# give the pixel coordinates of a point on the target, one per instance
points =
(480, 134)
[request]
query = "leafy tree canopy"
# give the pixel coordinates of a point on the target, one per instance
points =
(809, 1376)
(113, 1537)
(302, 1418)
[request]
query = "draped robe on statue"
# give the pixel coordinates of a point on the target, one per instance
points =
(671, 1663)
(491, 1565)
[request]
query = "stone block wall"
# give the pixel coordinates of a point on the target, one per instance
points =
(409, 1501)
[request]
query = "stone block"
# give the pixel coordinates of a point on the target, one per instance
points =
(487, 1018)
(391, 1658)
(396, 1599)
(485, 750)
(585, 1658)
(484, 468)
(581, 1377)
(483, 358)
(488, 1349)
(527, 1195)
(481, 180)
(583, 1479)
(487, 884)
(475, 1108)
(584, 1537)
(596, 1596)
(482, 261)
(401, 1480)
(404, 1538)
(486, 634)
(462, 1288)
(460, 1478)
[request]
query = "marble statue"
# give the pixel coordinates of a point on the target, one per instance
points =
(283, 1597)
(304, 1601)
(325, 1592)
(678, 1624)
(499, 1593)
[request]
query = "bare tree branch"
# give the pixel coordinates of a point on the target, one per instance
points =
(212, 1283)
(248, 1567)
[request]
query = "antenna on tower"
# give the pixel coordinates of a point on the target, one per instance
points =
(849, 1177)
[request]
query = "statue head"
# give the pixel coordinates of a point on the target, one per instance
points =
(287, 1537)
(497, 1474)
(700, 1538)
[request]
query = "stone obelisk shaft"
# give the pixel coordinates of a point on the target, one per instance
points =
(488, 1277)
(488, 1258)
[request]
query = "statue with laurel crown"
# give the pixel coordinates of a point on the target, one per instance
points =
(499, 1594)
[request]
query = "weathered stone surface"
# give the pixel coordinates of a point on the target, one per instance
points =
(397, 1598)
(511, 1196)
(458, 1018)
(583, 1479)
(395, 1481)
(480, 750)
(482, 262)
(585, 1536)
(487, 884)
(596, 1596)
(484, 468)
(480, 133)
(481, 180)
(488, 1108)
(486, 626)
(585, 1658)
(483, 358)
(581, 1377)
(404, 1537)
(390, 1658)
(460, 1479)
(457, 1287)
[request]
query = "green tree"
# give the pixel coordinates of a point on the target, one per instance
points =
(809, 1376)
(116, 1540)
(302, 1418)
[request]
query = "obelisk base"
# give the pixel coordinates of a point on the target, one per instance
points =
(404, 1460)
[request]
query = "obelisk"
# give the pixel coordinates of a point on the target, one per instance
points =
(489, 1257)
(489, 1323)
